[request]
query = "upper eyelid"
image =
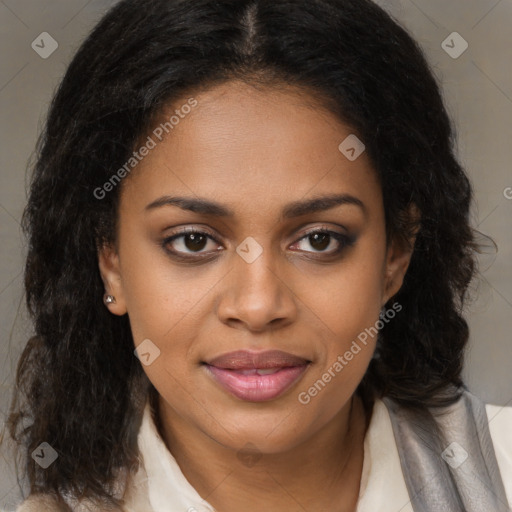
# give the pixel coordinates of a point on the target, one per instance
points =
(186, 231)
(322, 228)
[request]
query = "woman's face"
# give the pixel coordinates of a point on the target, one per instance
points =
(286, 250)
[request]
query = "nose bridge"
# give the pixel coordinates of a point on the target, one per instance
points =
(256, 294)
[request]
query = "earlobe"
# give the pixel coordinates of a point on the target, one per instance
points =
(108, 262)
(396, 267)
(398, 258)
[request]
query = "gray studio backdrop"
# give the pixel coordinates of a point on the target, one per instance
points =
(469, 44)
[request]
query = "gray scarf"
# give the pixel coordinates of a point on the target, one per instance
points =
(447, 457)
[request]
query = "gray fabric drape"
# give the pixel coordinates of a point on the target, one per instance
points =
(448, 458)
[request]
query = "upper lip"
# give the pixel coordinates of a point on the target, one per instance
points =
(247, 360)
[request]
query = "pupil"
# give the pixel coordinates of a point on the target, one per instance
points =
(195, 241)
(320, 241)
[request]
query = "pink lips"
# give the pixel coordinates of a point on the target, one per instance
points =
(257, 376)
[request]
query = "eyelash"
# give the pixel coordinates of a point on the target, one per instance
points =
(344, 242)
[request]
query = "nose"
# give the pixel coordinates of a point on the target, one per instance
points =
(255, 297)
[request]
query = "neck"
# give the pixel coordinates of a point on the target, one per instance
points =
(315, 474)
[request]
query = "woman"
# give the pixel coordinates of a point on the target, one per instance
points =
(249, 253)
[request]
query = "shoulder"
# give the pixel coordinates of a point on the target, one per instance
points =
(42, 503)
(499, 414)
(46, 502)
(132, 490)
(500, 427)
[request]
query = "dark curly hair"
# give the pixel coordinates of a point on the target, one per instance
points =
(79, 386)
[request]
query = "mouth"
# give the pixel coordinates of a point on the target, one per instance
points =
(257, 376)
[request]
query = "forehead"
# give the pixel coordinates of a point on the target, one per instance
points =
(240, 144)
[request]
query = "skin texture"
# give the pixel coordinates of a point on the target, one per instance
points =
(255, 151)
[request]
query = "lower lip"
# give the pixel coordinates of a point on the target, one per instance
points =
(257, 388)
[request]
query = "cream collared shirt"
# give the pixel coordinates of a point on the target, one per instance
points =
(160, 486)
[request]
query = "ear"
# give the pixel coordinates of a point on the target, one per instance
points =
(108, 261)
(398, 256)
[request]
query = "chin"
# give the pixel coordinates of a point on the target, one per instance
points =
(271, 432)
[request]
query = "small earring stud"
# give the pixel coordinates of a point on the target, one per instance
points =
(109, 299)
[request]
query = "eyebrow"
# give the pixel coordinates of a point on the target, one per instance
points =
(291, 210)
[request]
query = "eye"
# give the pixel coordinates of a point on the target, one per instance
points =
(322, 239)
(191, 241)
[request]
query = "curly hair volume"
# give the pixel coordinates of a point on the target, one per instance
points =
(79, 386)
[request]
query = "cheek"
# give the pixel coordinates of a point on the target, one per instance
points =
(345, 348)
(351, 299)
(347, 308)
(159, 297)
